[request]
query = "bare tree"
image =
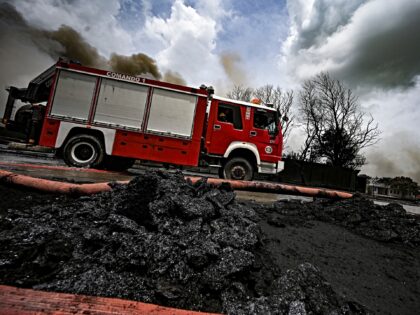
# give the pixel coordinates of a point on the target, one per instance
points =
(336, 127)
(309, 120)
(274, 96)
(240, 93)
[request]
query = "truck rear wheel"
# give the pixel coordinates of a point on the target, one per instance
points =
(83, 151)
(238, 168)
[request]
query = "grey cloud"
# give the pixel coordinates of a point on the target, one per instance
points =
(386, 57)
(325, 17)
(374, 47)
(378, 51)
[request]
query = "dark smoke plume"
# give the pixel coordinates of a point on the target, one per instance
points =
(73, 46)
(67, 42)
(8, 13)
(20, 58)
(27, 50)
(64, 42)
(134, 64)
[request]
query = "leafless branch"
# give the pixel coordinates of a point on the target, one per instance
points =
(240, 93)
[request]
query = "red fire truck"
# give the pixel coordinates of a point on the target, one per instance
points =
(97, 118)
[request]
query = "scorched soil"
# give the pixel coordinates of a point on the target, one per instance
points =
(162, 240)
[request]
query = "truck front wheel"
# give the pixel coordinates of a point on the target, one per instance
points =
(83, 151)
(238, 169)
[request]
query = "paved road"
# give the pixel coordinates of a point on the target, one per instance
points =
(46, 165)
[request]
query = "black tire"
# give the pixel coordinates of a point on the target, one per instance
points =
(118, 163)
(238, 168)
(83, 151)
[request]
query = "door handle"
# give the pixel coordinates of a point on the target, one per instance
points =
(217, 127)
(253, 133)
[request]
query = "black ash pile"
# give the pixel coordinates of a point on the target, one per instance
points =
(163, 240)
(390, 223)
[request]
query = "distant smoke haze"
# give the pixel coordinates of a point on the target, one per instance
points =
(231, 63)
(173, 77)
(402, 160)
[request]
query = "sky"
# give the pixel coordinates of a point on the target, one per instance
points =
(373, 46)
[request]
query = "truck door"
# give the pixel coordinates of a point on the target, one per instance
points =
(225, 126)
(262, 133)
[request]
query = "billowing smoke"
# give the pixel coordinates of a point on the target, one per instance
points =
(20, 57)
(134, 65)
(232, 67)
(27, 50)
(64, 42)
(9, 14)
(173, 77)
(72, 46)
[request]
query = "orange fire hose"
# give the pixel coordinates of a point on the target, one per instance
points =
(279, 188)
(19, 301)
(50, 186)
(88, 189)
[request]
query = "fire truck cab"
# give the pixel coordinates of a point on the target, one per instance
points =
(102, 119)
(245, 138)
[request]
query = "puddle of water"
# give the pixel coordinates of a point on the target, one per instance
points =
(267, 197)
(408, 208)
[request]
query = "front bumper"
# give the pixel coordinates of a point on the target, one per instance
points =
(270, 168)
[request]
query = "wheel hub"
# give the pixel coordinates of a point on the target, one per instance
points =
(238, 172)
(83, 152)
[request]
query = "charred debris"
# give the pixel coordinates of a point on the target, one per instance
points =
(163, 240)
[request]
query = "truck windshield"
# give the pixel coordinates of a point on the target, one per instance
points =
(265, 120)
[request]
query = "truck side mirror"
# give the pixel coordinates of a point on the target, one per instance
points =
(273, 132)
(285, 118)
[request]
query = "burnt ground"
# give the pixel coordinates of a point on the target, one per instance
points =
(163, 240)
(383, 277)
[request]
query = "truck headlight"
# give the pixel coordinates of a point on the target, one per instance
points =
(268, 149)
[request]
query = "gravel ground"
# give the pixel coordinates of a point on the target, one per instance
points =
(163, 240)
